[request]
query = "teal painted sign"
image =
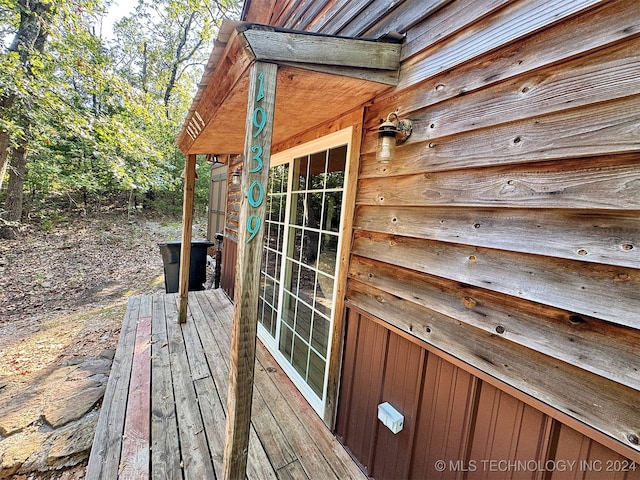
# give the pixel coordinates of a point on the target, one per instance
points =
(255, 193)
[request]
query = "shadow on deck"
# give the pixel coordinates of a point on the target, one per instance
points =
(163, 414)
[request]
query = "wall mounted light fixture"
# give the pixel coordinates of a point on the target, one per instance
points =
(236, 175)
(391, 132)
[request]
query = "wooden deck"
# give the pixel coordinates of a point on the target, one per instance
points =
(163, 414)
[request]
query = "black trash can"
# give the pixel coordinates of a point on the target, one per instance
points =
(198, 265)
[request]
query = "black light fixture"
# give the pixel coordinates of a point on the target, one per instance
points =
(391, 132)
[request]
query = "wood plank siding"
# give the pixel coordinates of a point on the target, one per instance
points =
(230, 242)
(504, 237)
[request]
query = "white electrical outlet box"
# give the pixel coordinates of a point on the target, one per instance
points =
(390, 417)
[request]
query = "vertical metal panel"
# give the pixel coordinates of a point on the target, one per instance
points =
(505, 430)
(352, 326)
(444, 419)
(358, 420)
(593, 461)
(402, 385)
(228, 277)
(453, 416)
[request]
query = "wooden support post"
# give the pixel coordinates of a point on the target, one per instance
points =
(255, 175)
(187, 223)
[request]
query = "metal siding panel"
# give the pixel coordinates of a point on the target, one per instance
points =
(228, 276)
(506, 430)
(358, 422)
(444, 418)
(593, 460)
(450, 415)
(352, 327)
(402, 384)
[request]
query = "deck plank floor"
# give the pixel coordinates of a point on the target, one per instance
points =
(163, 414)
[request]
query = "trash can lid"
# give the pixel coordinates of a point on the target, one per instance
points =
(207, 243)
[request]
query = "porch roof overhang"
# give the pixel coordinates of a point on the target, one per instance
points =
(320, 77)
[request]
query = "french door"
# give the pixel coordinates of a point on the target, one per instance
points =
(299, 266)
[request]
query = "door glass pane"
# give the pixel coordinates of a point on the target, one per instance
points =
(298, 201)
(306, 284)
(317, 170)
(320, 337)
(295, 243)
(273, 244)
(324, 294)
(300, 173)
(300, 355)
(332, 210)
(286, 342)
(303, 321)
(328, 253)
(311, 242)
(316, 372)
(289, 309)
(300, 292)
(313, 210)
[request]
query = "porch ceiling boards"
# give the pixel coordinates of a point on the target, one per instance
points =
(163, 414)
(320, 77)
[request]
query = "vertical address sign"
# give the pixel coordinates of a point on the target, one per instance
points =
(255, 175)
(255, 192)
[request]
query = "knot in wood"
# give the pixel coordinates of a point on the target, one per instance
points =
(469, 302)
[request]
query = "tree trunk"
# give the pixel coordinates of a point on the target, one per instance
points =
(13, 204)
(179, 59)
(6, 104)
(35, 19)
(4, 155)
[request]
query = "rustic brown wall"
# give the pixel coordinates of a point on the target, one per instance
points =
(506, 232)
(230, 244)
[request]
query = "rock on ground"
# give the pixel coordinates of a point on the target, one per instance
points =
(51, 425)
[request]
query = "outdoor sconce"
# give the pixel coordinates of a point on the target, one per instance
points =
(391, 133)
(235, 176)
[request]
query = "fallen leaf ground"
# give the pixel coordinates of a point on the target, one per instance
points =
(63, 293)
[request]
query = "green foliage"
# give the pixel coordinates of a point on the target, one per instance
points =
(102, 114)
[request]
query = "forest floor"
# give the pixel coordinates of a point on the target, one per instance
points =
(63, 293)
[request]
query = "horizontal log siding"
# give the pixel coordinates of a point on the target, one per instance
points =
(507, 230)
(233, 200)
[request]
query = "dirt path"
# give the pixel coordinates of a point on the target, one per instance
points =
(63, 294)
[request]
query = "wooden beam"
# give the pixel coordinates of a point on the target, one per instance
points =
(305, 48)
(255, 175)
(187, 223)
